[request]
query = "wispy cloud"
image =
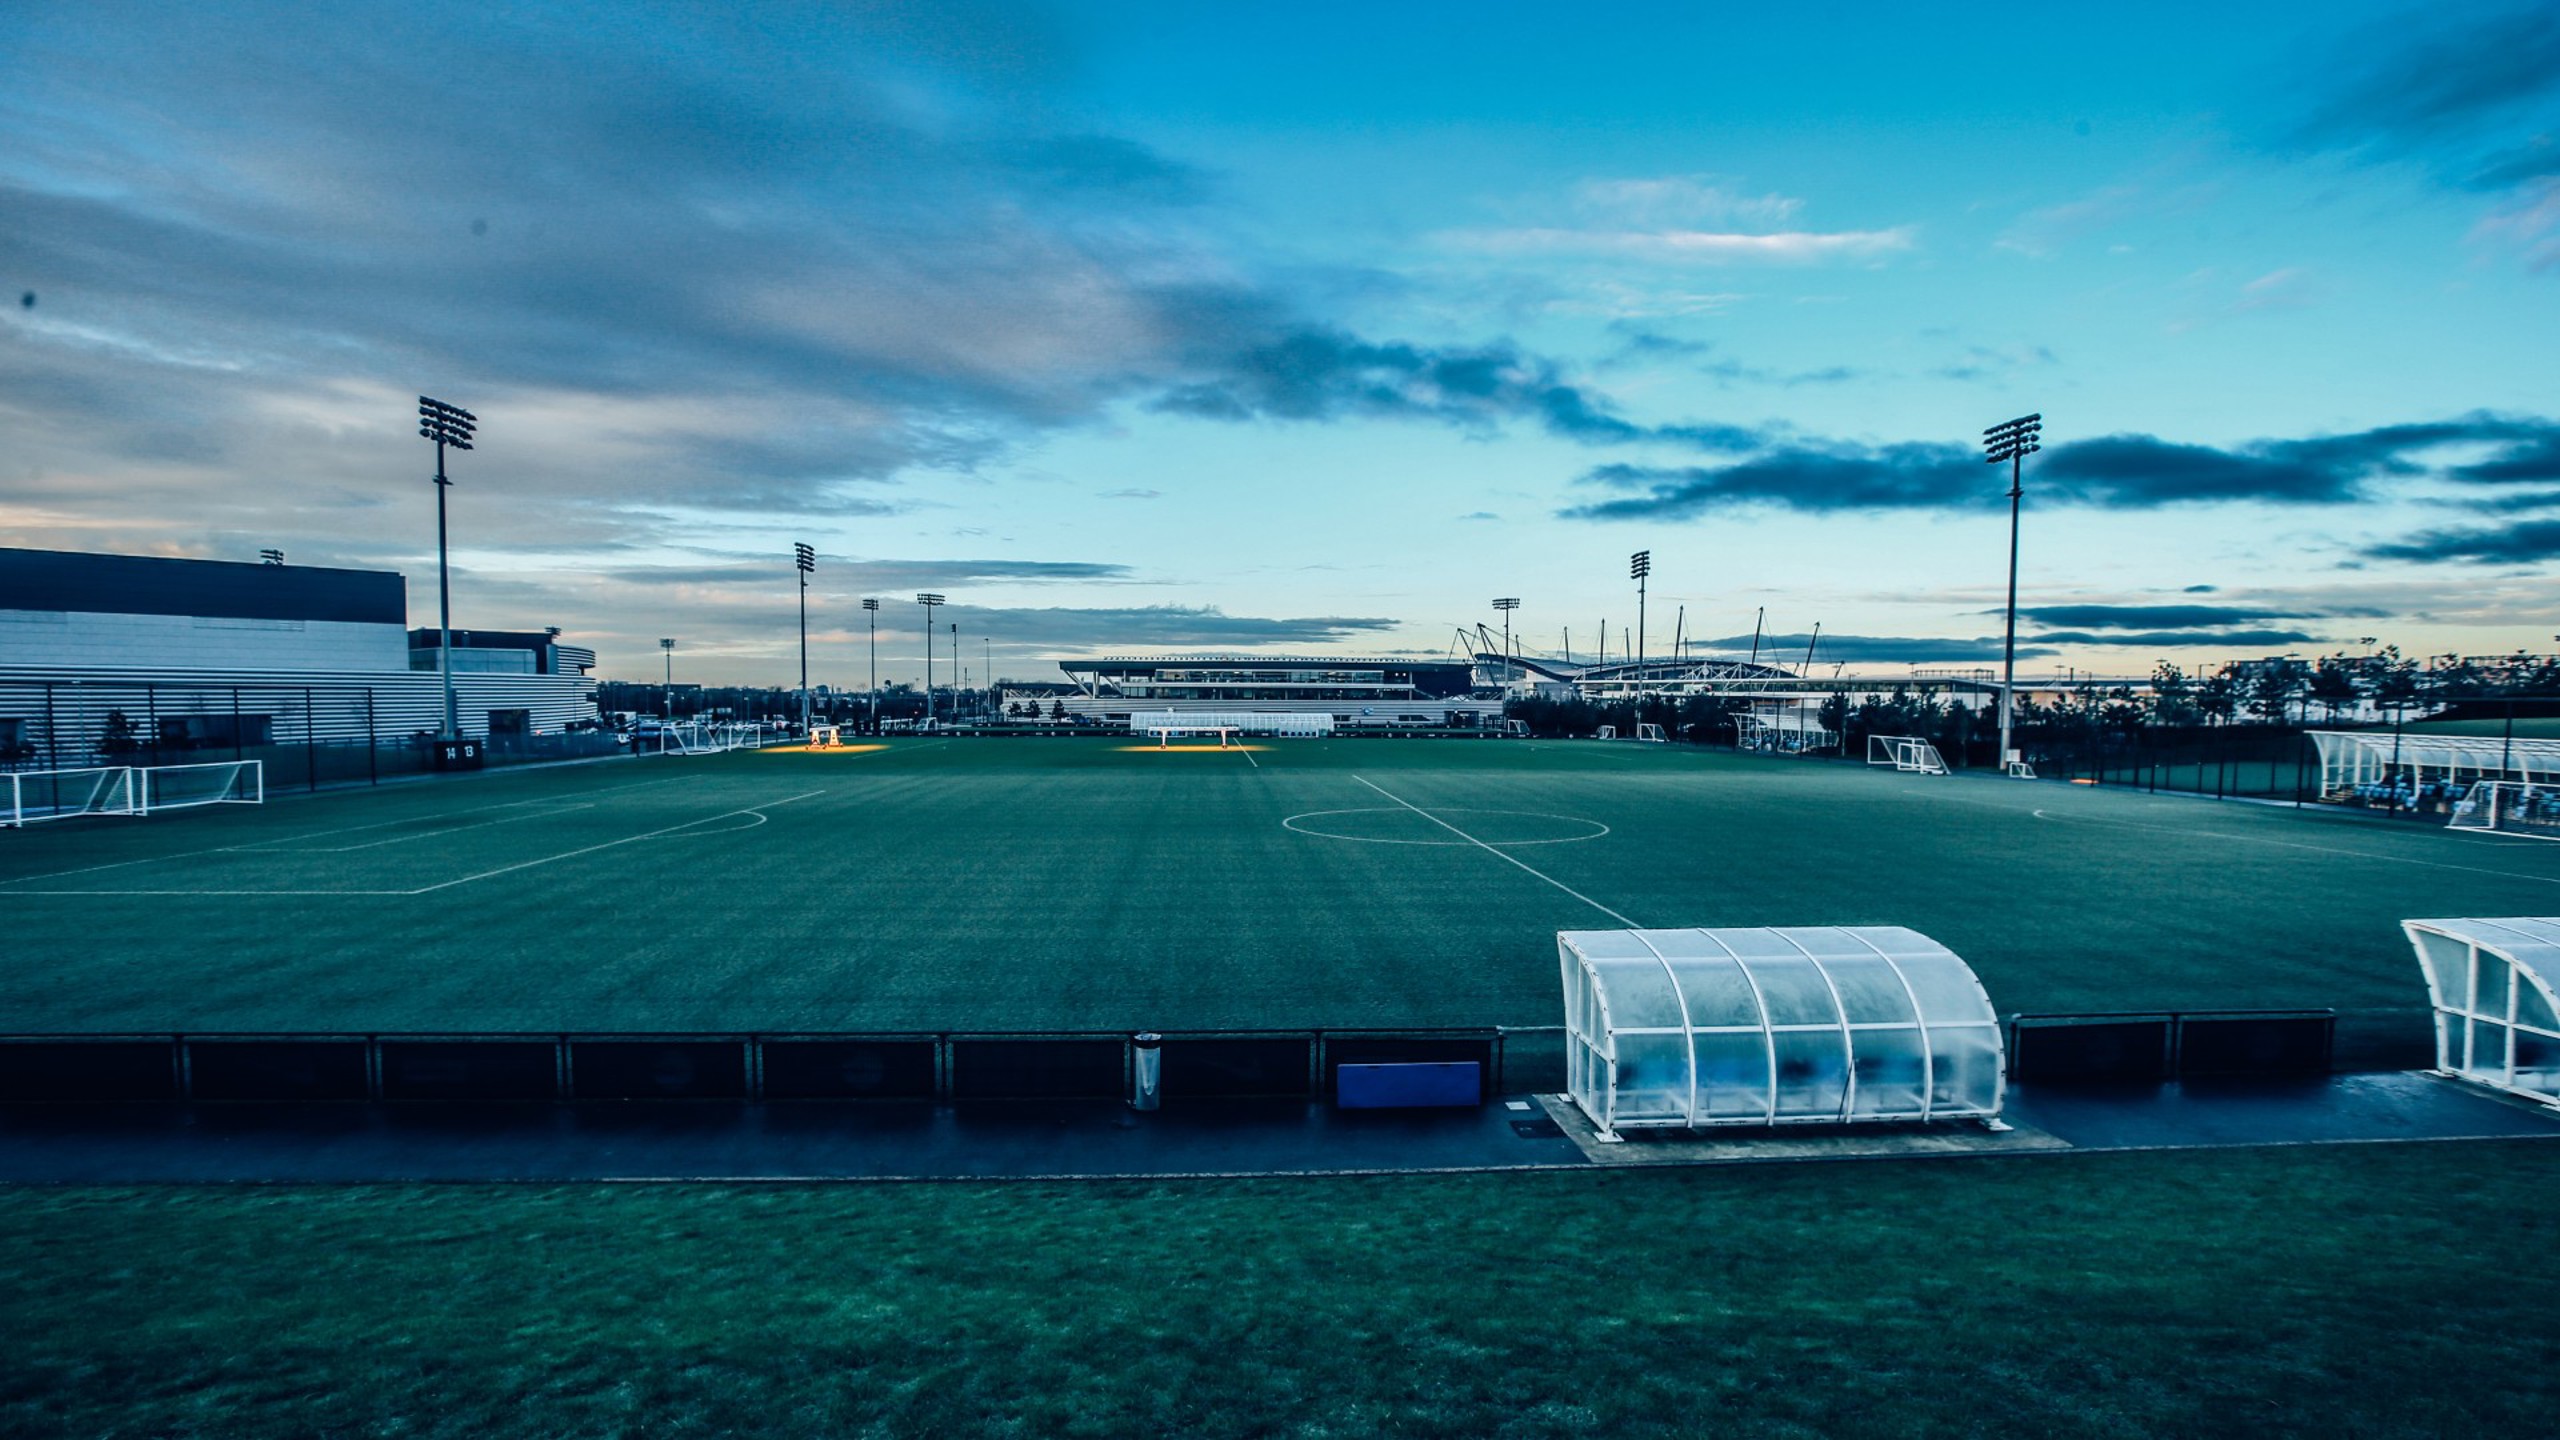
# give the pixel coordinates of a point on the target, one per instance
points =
(1689, 247)
(2116, 472)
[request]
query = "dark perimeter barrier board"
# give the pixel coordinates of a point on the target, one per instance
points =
(1022, 1068)
(88, 1072)
(652, 1069)
(2090, 1052)
(470, 1069)
(1238, 1067)
(2238, 1045)
(823, 1069)
(277, 1070)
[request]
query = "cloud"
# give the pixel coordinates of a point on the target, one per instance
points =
(2522, 543)
(1689, 247)
(1682, 199)
(2470, 93)
(2176, 639)
(1134, 492)
(871, 574)
(1324, 374)
(2439, 74)
(2113, 472)
(1788, 650)
(2137, 617)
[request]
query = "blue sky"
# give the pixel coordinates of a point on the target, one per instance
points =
(1311, 328)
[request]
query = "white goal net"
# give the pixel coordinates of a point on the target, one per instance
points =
(34, 795)
(182, 787)
(1905, 752)
(2509, 807)
(1651, 732)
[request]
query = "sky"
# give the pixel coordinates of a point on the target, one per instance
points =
(1308, 328)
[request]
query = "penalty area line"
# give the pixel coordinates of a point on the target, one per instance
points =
(1499, 853)
(756, 809)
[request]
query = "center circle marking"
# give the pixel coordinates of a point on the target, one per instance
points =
(1334, 825)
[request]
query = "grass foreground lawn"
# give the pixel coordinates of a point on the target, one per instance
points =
(2371, 1290)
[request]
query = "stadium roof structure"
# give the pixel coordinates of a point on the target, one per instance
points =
(2350, 758)
(1687, 1029)
(2495, 985)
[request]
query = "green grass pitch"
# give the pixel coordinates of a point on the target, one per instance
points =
(1097, 885)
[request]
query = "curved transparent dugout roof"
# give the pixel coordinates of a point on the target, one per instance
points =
(1775, 1026)
(2495, 987)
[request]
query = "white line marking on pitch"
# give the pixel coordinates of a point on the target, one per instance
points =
(1500, 854)
(2296, 845)
(756, 810)
(256, 846)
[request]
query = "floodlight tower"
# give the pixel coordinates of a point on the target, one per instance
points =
(454, 426)
(667, 696)
(1639, 565)
(806, 560)
(928, 602)
(2013, 441)
(1506, 605)
(871, 606)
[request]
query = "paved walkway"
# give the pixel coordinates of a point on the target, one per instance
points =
(707, 1140)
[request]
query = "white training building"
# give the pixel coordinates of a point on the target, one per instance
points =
(163, 657)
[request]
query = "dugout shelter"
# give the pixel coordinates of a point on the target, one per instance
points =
(1775, 1026)
(2495, 987)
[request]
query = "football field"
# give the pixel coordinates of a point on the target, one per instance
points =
(1096, 885)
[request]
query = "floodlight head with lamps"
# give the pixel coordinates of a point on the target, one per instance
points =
(928, 601)
(870, 603)
(1640, 564)
(666, 644)
(1507, 602)
(446, 424)
(804, 558)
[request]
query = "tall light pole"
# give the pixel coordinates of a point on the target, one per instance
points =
(2013, 441)
(1639, 565)
(667, 696)
(1506, 605)
(806, 560)
(959, 675)
(928, 602)
(871, 606)
(454, 426)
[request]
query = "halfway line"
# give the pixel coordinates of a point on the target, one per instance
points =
(1505, 855)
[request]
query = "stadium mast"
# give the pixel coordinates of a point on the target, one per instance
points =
(2013, 441)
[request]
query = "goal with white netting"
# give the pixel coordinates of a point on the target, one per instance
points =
(183, 787)
(1905, 752)
(1652, 733)
(2509, 807)
(34, 795)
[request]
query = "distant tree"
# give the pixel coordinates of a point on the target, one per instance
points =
(2272, 689)
(2173, 698)
(2218, 696)
(2333, 683)
(116, 738)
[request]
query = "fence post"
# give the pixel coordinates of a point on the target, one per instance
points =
(235, 722)
(372, 762)
(52, 730)
(151, 719)
(310, 745)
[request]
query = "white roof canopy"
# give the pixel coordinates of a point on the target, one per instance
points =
(1689, 1028)
(2495, 985)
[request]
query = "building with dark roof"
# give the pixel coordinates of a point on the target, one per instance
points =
(221, 655)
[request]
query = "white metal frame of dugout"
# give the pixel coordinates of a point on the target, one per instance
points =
(1686, 1029)
(2495, 987)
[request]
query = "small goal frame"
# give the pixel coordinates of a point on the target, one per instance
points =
(1651, 734)
(1907, 753)
(2521, 808)
(32, 796)
(177, 787)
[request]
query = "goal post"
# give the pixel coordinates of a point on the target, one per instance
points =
(1907, 753)
(2508, 807)
(183, 787)
(33, 795)
(1651, 733)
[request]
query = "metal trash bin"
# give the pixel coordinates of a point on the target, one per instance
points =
(1146, 1070)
